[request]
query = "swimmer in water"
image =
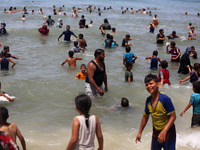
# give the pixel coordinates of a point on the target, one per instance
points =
(41, 11)
(3, 94)
(23, 18)
(74, 14)
(173, 35)
(33, 13)
(123, 105)
(151, 28)
(82, 74)
(191, 34)
(155, 20)
(71, 60)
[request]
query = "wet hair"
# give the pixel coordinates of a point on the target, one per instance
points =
(75, 43)
(155, 52)
(32, 10)
(108, 36)
(68, 26)
(5, 47)
(174, 32)
(4, 113)
(196, 86)
(82, 16)
(81, 36)
(173, 43)
(111, 37)
(128, 48)
(128, 35)
(49, 16)
(91, 21)
(83, 103)
(161, 30)
(83, 65)
(23, 16)
(129, 64)
(106, 20)
(71, 53)
(196, 66)
(192, 47)
(99, 14)
(150, 77)
(190, 24)
(192, 27)
(164, 64)
(98, 52)
(124, 102)
(113, 29)
(3, 53)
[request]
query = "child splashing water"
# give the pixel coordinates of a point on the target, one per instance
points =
(85, 126)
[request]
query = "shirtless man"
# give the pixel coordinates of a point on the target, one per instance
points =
(11, 128)
(82, 42)
(96, 75)
(72, 60)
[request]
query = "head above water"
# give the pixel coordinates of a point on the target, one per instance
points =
(196, 87)
(106, 20)
(196, 66)
(161, 30)
(128, 36)
(81, 36)
(83, 65)
(68, 27)
(108, 36)
(4, 113)
(128, 49)
(71, 54)
(150, 77)
(49, 16)
(75, 43)
(173, 44)
(98, 52)
(174, 32)
(164, 64)
(155, 53)
(124, 102)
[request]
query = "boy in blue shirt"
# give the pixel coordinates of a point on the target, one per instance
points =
(129, 56)
(194, 101)
(163, 116)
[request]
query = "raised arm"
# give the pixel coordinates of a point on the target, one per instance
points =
(78, 58)
(99, 134)
(167, 51)
(14, 57)
(149, 57)
(144, 121)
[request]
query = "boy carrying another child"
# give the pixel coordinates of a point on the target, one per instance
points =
(163, 116)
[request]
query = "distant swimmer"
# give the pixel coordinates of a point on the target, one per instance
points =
(128, 73)
(49, 21)
(194, 101)
(155, 20)
(125, 41)
(74, 14)
(59, 24)
(81, 75)
(154, 60)
(23, 18)
(33, 13)
(4, 61)
(123, 105)
(41, 11)
(2, 93)
(71, 60)
(194, 76)
(105, 26)
(3, 30)
(67, 34)
(160, 37)
(191, 34)
(151, 28)
(173, 35)
(44, 30)
(175, 52)
(82, 42)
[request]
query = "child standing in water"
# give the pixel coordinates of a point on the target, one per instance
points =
(194, 101)
(163, 74)
(163, 116)
(71, 60)
(154, 60)
(85, 126)
(128, 73)
(82, 74)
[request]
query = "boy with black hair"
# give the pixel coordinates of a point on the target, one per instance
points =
(128, 73)
(125, 40)
(194, 101)
(11, 128)
(175, 52)
(72, 60)
(163, 116)
(154, 60)
(129, 56)
(193, 53)
(76, 48)
(82, 42)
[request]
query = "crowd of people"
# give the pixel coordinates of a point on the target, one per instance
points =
(85, 126)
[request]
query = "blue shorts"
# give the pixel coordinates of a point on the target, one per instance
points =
(167, 145)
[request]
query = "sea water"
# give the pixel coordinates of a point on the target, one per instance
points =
(45, 90)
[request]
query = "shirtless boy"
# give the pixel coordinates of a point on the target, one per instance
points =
(72, 60)
(11, 128)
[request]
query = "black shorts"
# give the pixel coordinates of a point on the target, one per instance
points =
(195, 120)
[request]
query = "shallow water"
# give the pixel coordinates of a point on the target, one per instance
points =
(45, 90)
